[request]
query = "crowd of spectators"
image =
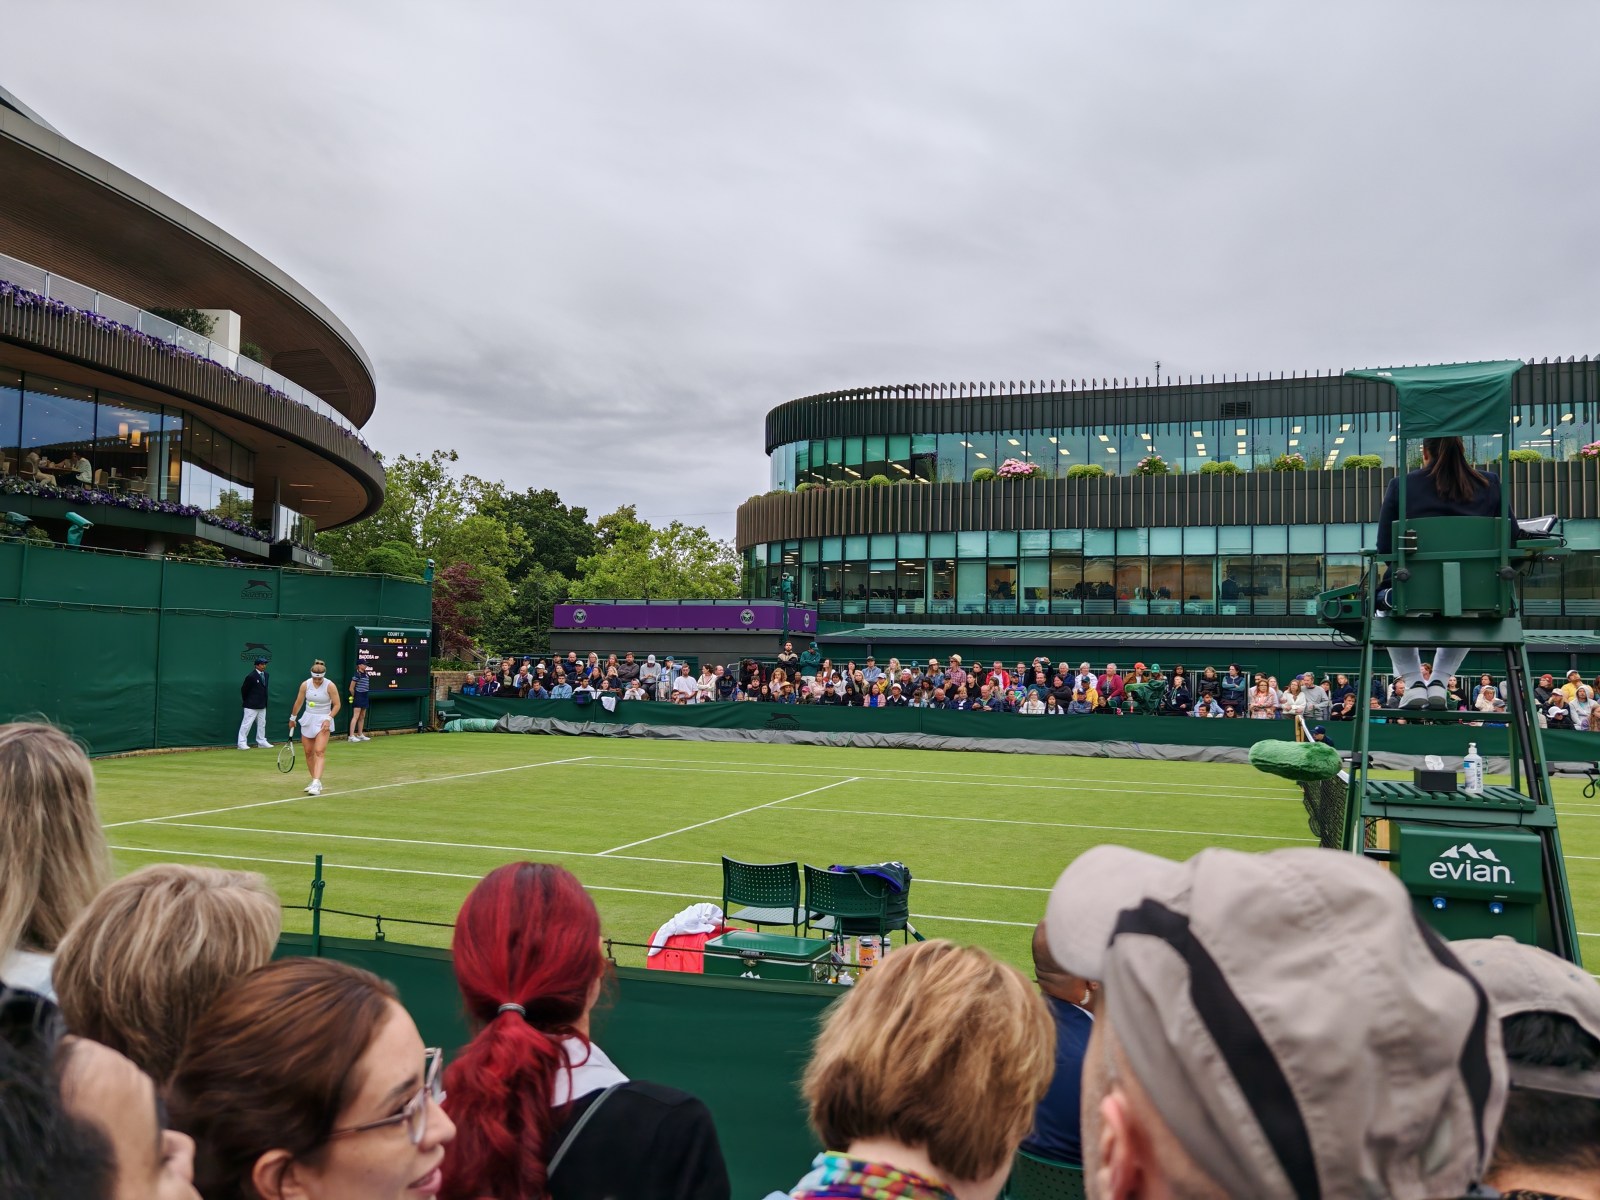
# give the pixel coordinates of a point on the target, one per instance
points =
(149, 1050)
(1034, 688)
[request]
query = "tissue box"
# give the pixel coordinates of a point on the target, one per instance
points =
(1435, 781)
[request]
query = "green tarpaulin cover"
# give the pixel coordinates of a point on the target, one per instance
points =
(1453, 400)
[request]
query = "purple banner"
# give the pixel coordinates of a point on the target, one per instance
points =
(667, 615)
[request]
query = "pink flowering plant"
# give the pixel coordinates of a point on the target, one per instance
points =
(1591, 451)
(1015, 468)
(1152, 464)
(1289, 462)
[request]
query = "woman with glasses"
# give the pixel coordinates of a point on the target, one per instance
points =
(542, 1110)
(307, 1078)
(321, 701)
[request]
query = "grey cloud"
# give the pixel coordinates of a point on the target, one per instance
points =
(591, 245)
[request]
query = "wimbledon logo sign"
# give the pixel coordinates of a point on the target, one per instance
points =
(1467, 864)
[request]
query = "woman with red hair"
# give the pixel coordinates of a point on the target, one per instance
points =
(539, 1108)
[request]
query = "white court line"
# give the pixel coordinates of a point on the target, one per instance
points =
(593, 887)
(730, 816)
(377, 787)
(1210, 833)
(680, 862)
(947, 775)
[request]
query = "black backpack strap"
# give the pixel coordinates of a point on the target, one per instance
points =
(577, 1128)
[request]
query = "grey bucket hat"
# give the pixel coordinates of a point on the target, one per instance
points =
(1525, 979)
(1297, 1028)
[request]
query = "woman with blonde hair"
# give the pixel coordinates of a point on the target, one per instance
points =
(53, 856)
(321, 701)
(154, 949)
(926, 1076)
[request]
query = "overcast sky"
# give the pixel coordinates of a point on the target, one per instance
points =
(589, 245)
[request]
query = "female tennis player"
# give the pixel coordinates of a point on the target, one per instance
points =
(321, 701)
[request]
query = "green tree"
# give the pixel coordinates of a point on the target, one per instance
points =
(555, 535)
(232, 506)
(675, 562)
(394, 558)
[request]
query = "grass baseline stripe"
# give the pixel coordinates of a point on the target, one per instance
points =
(1210, 833)
(327, 866)
(730, 816)
(376, 787)
(950, 774)
(679, 862)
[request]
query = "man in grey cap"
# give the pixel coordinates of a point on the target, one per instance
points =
(1549, 1011)
(1273, 1025)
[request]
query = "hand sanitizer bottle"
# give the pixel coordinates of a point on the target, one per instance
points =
(1472, 771)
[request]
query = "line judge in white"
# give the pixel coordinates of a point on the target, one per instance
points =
(320, 699)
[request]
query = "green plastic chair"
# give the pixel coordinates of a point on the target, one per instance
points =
(770, 890)
(847, 899)
(1035, 1178)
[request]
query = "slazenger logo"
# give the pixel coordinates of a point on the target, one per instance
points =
(257, 589)
(255, 650)
(579, 616)
(1468, 864)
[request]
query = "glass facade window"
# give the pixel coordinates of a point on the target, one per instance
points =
(10, 422)
(60, 434)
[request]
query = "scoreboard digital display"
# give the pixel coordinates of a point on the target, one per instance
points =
(397, 660)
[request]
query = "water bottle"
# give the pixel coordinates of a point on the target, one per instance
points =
(1472, 771)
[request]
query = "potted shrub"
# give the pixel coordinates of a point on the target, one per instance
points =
(1363, 462)
(1221, 466)
(1085, 471)
(1289, 462)
(1152, 464)
(1527, 456)
(878, 481)
(1015, 468)
(983, 475)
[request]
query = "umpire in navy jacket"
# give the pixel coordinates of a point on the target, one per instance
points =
(253, 693)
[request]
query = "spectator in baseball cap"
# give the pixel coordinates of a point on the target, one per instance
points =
(1273, 1025)
(1549, 1011)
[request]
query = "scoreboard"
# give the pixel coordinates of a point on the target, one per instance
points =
(397, 660)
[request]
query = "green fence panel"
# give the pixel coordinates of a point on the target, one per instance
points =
(131, 652)
(740, 1047)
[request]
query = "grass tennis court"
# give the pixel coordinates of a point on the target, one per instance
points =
(408, 824)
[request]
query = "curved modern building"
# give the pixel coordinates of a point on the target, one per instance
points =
(248, 437)
(876, 516)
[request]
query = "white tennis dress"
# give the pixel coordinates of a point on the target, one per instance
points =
(319, 708)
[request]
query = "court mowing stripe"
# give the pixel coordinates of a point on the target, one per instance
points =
(730, 816)
(377, 787)
(1211, 833)
(593, 887)
(681, 862)
(600, 760)
(981, 775)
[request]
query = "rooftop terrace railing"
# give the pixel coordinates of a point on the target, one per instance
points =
(87, 300)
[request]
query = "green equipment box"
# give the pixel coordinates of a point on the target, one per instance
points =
(751, 955)
(1473, 883)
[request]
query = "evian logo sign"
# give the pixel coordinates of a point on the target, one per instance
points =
(1467, 864)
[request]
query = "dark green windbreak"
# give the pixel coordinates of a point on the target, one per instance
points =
(1452, 400)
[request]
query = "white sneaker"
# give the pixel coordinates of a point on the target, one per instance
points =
(262, 746)
(242, 746)
(309, 789)
(316, 787)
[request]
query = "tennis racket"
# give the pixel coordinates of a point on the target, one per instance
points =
(286, 753)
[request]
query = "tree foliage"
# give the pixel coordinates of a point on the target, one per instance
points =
(639, 561)
(504, 558)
